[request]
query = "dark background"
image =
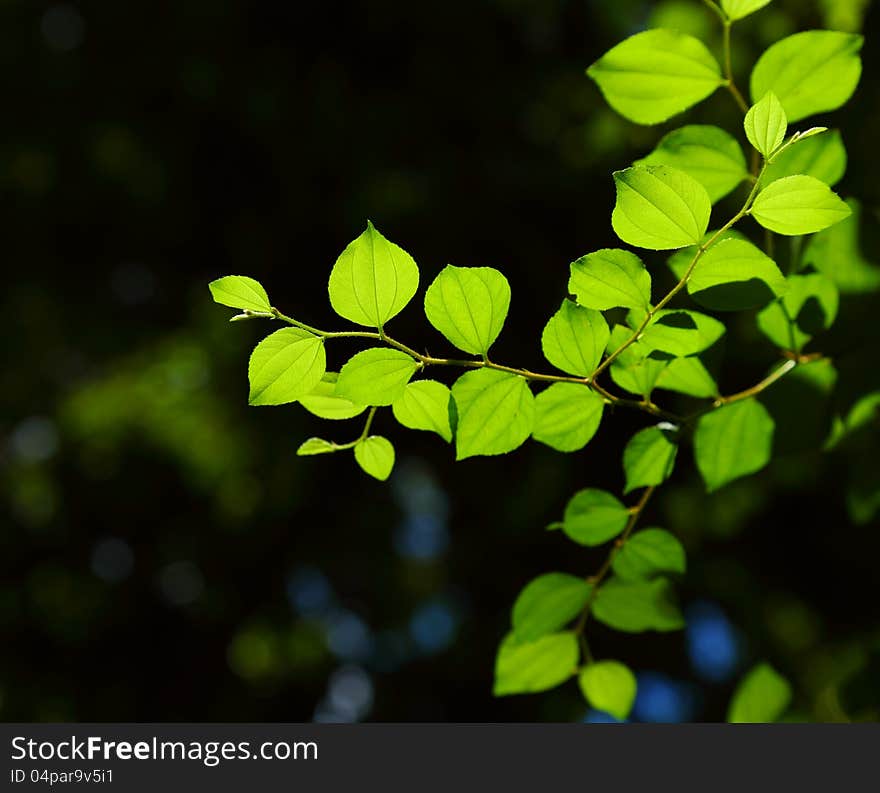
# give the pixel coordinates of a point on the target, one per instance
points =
(165, 556)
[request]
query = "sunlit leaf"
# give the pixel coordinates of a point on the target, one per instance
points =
(375, 455)
(637, 606)
(239, 291)
(610, 278)
(592, 517)
(424, 405)
(761, 697)
(574, 339)
(547, 603)
(649, 553)
(285, 366)
(567, 416)
(609, 686)
(649, 457)
(529, 667)
(798, 205)
(377, 376)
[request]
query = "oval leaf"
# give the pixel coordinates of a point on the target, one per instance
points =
(708, 154)
(637, 606)
(574, 339)
(324, 403)
(659, 208)
(547, 603)
(377, 376)
(649, 553)
(592, 517)
(424, 405)
(808, 307)
(681, 333)
(609, 686)
(239, 291)
(798, 205)
(811, 72)
(567, 416)
(375, 455)
(737, 9)
(610, 278)
(373, 280)
(285, 366)
(496, 413)
(530, 667)
(688, 376)
(766, 124)
(649, 458)
(821, 156)
(761, 697)
(316, 446)
(654, 75)
(733, 441)
(468, 305)
(734, 275)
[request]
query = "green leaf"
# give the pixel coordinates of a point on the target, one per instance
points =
(761, 697)
(610, 278)
(681, 333)
(377, 376)
(239, 291)
(798, 205)
(706, 153)
(822, 156)
(837, 254)
(592, 517)
(737, 9)
(424, 405)
(680, 260)
(688, 376)
(609, 686)
(574, 339)
(634, 370)
(733, 441)
(637, 606)
(375, 455)
(547, 603)
(811, 72)
(324, 403)
(807, 308)
(496, 413)
(659, 208)
(285, 366)
(531, 667)
(649, 553)
(766, 124)
(567, 416)
(654, 75)
(649, 457)
(734, 275)
(373, 280)
(316, 446)
(468, 305)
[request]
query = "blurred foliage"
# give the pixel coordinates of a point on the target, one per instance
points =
(164, 554)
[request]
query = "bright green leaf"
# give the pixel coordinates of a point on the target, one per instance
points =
(837, 254)
(798, 205)
(316, 446)
(708, 154)
(649, 457)
(654, 75)
(634, 370)
(649, 553)
(761, 697)
(637, 606)
(733, 441)
(735, 275)
(805, 310)
(530, 667)
(574, 339)
(377, 376)
(547, 603)
(766, 124)
(737, 9)
(688, 376)
(285, 366)
(239, 291)
(375, 455)
(610, 278)
(659, 208)
(496, 412)
(424, 405)
(811, 72)
(592, 517)
(609, 686)
(823, 157)
(567, 416)
(681, 333)
(373, 280)
(680, 260)
(324, 403)
(468, 305)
